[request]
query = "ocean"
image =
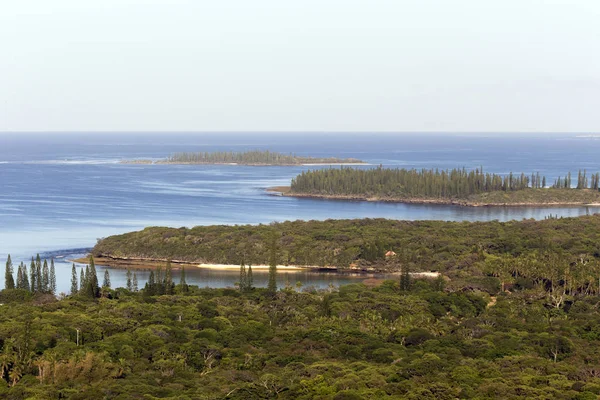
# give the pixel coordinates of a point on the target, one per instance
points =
(60, 192)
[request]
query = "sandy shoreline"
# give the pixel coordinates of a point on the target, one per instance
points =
(138, 264)
(145, 264)
(254, 267)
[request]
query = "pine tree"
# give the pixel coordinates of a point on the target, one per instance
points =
(159, 282)
(129, 284)
(94, 285)
(86, 277)
(39, 285)
(52, 281)
(135, 282)
(249, 279)
(150, 288)
(182, 282)
(405, 282)
(9, 280)
(33, 276)
(169, 279)
(74, 286)
(106, 283)
(19, 284)
(243, 278)
(45, 278)
(272, 285)
(26, 285)
(39, 282)
(82, 282)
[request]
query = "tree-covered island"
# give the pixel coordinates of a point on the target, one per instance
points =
(457, 186)
(456, 249)
(253, 157)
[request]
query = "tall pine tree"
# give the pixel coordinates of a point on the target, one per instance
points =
(169, 279)
(26, 284)
(129, 284)
(106, 282)
(19, 284)
(272, 285)
(45, 278)
(135, 282)
(52, 279)
(39, 286)
(182, 282)
(249, 279)
(82, 282)
(74, 286)
(9, 280)
(94, 286)
(405, 282)
(150, 288)
(33, 275)
(243, 278)
(39, 282)
(159, 284)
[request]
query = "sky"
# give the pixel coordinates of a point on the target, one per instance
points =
(304, 65)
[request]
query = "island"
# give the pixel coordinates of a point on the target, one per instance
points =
(251, 158)
(473, 188)
(367, 245)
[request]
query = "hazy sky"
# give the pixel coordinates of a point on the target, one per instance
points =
(277, 65)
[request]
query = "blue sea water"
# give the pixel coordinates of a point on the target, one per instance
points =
(60, 192)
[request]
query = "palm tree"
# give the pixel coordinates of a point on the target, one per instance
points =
(7, 358)
(15, 374)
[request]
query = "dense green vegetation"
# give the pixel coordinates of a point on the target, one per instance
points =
(422, 342)
(453, 248)
(254, 157)
(404, 184)
(514, 316)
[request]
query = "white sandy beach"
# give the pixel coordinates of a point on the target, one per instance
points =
(255, 267)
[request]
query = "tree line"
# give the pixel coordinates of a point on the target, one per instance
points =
(41, 278)
(426, 183)
(250, 157)
(161, 283)
(583, 181)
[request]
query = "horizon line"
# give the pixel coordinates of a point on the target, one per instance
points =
(587, 132)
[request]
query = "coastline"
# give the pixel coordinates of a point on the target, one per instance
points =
(286, 192)
(152, 264)
(147, 264)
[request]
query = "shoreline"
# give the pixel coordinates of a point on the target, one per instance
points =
(285, 192)
(148, 264)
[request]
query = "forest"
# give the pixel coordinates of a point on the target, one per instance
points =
(395, 339)
(453, 248)
(252, 157)
(386, 183)
(513, 315)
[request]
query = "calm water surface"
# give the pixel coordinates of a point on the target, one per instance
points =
(62, 192)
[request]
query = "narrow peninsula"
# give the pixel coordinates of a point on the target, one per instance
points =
(252, 158)
(432, 186)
